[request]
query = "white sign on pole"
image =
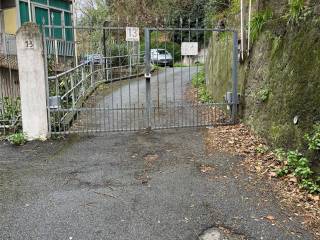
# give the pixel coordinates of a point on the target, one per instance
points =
(132, 34)
(189, 49)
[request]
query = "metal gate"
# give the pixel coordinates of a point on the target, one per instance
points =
(122, 84)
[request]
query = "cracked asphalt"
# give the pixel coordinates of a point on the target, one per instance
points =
(135, 185)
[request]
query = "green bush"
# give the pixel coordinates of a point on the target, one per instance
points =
(11, 109)
(263, 94)
(17, 139)
(262, 149)
(119, 50)
(199, 79)
(204, 95)
(310, 185)
(314, 139)
(298, 165)
(199, 82)
(257, 23)
(235, 7)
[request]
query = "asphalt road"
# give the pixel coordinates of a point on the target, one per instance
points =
(135, 186)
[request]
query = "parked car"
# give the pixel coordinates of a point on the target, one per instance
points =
(161, 57)
(93, 58)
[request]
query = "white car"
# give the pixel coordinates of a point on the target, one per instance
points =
(161, 57)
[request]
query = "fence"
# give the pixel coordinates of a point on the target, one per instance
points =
(60, 47)
(69, 90)
(8, 45)
(10, 113)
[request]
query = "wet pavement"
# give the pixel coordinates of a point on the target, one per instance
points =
(143, 185)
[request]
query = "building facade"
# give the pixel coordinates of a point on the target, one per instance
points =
(59, 38)
(58, 13)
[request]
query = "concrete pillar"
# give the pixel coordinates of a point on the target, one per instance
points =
(32, 79)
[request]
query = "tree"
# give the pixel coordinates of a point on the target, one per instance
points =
(94, 12)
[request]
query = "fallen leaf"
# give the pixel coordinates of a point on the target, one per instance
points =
(206, 168)
(293, 180)
(272, 174)
(270, 218)
(151, 157)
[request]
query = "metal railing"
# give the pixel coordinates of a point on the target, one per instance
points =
(8, 45)
(60, 47)
(69, 90)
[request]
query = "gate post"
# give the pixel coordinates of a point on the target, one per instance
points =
(235, 99)
(148, 74)
(32, 80)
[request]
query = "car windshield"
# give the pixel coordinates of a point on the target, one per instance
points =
(162, 52)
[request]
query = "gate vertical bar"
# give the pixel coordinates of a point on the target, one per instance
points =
(105, 25)
(148, 75)
(235, 78)
(46, 69)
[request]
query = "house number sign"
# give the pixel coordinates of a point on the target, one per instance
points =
(29, 44)
(132, 34)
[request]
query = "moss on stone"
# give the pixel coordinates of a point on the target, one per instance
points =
(285, 60)
(292, 73)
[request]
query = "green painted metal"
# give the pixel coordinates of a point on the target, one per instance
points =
(42, 16)
(54, 14)
(40, 1)
(56, 21)
(60, 4)
(24, 14)
(68, 22)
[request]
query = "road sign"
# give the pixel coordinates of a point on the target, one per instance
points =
(189, 49)
(132, 34)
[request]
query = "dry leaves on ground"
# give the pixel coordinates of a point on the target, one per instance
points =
(239, 140)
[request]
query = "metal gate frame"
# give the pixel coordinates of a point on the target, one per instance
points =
(147, 108)
(235, 98)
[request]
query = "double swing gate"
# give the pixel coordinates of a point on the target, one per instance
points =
(152, 79)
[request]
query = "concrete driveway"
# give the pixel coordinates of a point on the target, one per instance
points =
(158, 185)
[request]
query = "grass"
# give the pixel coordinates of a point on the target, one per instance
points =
(187, 65)
(295, 10)
(199, 82)
(258, 22)
(198, 79)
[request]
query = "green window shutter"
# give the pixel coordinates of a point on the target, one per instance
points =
(68, 22)
(40, 1)
(56, 21)
(42, 14)
(24, 12)
(60, 4)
